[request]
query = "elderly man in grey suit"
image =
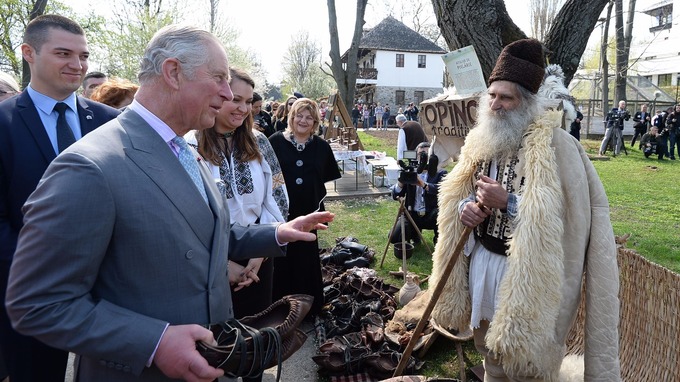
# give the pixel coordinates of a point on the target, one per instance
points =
(123, 255)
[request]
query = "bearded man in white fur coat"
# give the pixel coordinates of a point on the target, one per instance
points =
(541, 230)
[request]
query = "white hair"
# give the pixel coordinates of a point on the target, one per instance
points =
(8, 83)
(186, 44)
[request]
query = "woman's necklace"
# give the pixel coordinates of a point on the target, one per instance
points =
(300, 146)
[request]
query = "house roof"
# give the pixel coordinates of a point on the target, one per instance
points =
(392, 34)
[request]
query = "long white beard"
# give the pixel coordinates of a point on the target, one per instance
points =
(498, 134)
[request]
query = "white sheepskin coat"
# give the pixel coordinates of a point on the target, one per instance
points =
(562, 231)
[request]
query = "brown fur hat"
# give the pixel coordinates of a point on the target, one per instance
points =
(521, 62)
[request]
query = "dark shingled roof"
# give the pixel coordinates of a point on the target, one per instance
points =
(391, 34)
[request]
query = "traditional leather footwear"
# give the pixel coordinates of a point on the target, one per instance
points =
(386, 362)
(338, 344)
(359, 262)
(350, 361)
(246, 348)
(331, 292)
(285, 315)
(243, 351)
(364, 289)
(337, 257)
(340, 303)
(356, 248)
(372, 328)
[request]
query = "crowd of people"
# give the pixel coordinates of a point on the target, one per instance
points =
(657, 133)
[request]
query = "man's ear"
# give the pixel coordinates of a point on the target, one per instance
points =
(171, 70)
(28, 53)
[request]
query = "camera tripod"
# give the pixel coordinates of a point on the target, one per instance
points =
(403, 211)
(611, 143)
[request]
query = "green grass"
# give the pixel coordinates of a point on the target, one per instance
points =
(376, 144)
(644, 199)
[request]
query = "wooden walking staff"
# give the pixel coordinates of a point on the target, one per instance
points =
(433, 300)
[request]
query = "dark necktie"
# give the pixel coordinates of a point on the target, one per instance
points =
(65, 135)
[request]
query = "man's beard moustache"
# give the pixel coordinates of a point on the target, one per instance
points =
(501, 131)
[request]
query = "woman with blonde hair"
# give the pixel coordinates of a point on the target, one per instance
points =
(307, 163)
(249, 176)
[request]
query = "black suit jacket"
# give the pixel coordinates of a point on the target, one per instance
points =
(25, 153)
(640, 121)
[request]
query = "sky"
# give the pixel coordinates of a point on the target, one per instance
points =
(267, 26)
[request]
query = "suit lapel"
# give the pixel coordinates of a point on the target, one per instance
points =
(86, 117)
(221, 213)
(32, 121)
(155, 158)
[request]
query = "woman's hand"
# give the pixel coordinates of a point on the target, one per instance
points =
(237, 280)
(253, 267)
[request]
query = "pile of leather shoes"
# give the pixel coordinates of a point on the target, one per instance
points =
(351, 325)
(348, 253)
(247, 347)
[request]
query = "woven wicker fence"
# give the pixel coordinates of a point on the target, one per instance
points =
(649, 327)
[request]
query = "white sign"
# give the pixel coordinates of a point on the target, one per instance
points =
(465, 70)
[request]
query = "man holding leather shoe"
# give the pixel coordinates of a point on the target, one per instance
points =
(541, 232)
(421, 196)
(123, 257)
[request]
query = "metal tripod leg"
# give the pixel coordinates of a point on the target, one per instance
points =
(403, 210)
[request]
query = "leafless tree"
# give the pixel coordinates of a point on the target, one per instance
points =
(542, 13)
(345, 74)
(214, 4)
(37, 10)
(487, 25)
(623, 39)
(605, 61)
(302, 67)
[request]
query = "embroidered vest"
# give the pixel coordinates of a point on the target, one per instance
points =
(494, 232)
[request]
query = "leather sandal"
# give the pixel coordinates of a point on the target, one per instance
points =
(246, 348)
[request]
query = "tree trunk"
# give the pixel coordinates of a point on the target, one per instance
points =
(345, 77)
(569, 33)
(38, 10)
(623, 47)
(486, 25)
(605, 62)
(620, 79)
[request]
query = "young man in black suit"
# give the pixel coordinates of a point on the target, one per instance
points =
(30, 138)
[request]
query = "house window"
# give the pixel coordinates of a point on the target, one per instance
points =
(421, 61)
(419, 95)
(400, 60)
(400, 96)
(665, 79)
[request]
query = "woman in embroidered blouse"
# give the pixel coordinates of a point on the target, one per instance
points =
(307, 163)
(249, 176)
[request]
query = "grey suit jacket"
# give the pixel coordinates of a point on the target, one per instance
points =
(117, 242)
